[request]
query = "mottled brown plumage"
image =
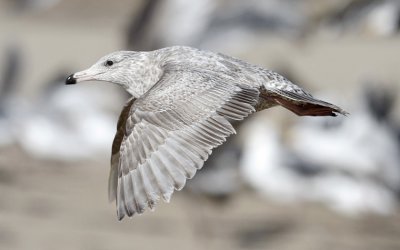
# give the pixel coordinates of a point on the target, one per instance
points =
(183, 102)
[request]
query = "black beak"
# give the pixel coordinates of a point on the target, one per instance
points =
(70, 80)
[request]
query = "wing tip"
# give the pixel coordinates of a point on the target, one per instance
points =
(120, 216)
(335, 111)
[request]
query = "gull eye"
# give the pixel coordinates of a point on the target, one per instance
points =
(108, 63)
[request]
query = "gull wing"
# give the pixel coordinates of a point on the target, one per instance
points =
(168, 134)
(118, 138)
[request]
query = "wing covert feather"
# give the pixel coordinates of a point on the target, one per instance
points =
(170, 132)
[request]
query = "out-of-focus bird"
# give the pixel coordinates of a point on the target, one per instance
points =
(369, 162)
(208, 24)
(11, 104)
(58, 119)
(66, 125)
(368, 17)
(35, 5)
(182, 105)
(306, 167)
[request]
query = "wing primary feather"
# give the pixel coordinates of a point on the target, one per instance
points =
(195, 158)
(128, 194)
(243, 106)
(164, 183)
(203, 154)
(136, 141)
(244, 98)
(208, 128)
(124, 158)
(214, 129)
(148, 185)
(176, 162)
(212, 140)
(240, 108)
(113, 178)
(185, 162)
(191, 135)
(129, 160)
(153, 140)
(177, 177)
(121, 210)
(222, 123)
(229, 113)
(138, 192)
(148, 147)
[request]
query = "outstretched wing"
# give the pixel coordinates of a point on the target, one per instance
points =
(170, 132)
(118, 138)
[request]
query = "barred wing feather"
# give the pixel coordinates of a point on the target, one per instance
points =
(169, 133)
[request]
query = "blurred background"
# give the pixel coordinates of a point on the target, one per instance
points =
(283, 182)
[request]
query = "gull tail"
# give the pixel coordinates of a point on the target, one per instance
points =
(304, 104)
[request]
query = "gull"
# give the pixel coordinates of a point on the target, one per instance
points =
(183, 102)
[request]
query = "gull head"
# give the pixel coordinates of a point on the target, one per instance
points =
(129, 69)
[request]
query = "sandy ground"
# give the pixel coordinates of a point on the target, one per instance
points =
(52, 205)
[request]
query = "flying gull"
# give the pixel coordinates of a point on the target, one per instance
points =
(183, 102)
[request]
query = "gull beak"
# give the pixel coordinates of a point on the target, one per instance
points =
(70, 80)
(79, 77)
